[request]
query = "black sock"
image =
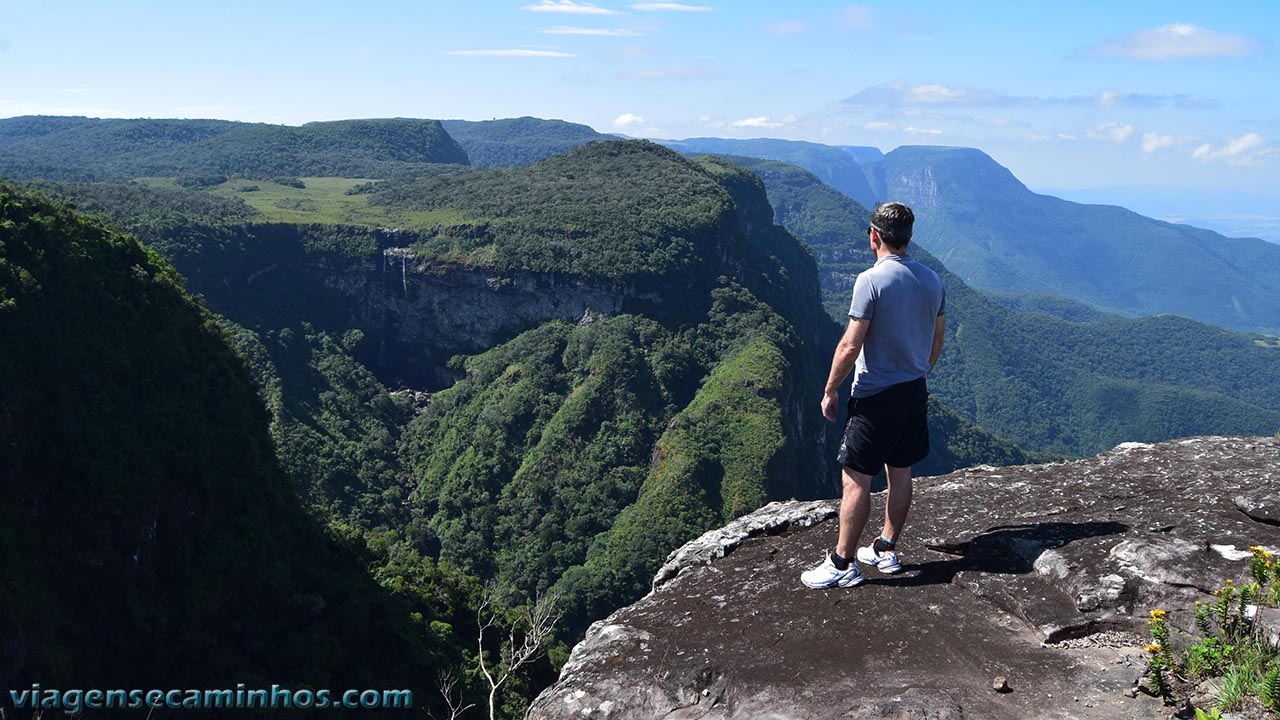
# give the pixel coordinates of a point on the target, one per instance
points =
(883, 545)
(839, 562)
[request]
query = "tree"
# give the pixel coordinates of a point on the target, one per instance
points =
(540, 619)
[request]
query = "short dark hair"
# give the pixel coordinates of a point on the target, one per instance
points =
(893, 221)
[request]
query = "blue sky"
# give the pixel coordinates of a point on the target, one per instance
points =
(1067, 95)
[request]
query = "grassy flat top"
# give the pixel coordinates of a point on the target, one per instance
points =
(323, 200)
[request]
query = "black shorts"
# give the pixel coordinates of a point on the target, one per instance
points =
(888, 428)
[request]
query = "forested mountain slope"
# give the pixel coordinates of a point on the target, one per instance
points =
(152, 538)
(654, 339)
(688, 399)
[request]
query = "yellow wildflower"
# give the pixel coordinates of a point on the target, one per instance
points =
(1158, 613)
(1153, 648)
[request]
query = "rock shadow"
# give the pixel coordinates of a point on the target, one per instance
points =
(1006, 549)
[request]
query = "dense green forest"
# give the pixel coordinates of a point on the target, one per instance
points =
(159, 542)
(78, 148)
(368, 461)
(1050, 374)
(562, 215)
(518, 141)
(517, 477)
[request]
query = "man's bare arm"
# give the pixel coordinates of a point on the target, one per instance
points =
(846, 355)
(939, 329)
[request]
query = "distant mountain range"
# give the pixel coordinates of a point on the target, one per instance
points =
(1232, 213)
(839, 167)
(79, 148)
(995, 233)
(518, 141)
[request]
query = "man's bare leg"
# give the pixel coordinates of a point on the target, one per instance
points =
(855, 508)
(898, 503)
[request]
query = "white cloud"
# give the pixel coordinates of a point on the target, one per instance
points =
(786, 27)
(857, 17)
(626, 120)
(1244, 150)
(513, 52)
(677, 72)
(764, 121)
(1107, 98)
(635, 52)
(935, 93)
(569, 7)
(1151, 142)
(1111, 132)
(1178, 41)
(879, 126)
(671, 6)
(708, 121)
(600, 32)
(900, 94)
(922, 131)
(1039, 138)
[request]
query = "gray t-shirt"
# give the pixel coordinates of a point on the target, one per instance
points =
(902, 298)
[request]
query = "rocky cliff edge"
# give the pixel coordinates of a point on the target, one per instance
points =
(1041, 574)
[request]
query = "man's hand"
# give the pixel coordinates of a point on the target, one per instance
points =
(831, 405)
(846, 356)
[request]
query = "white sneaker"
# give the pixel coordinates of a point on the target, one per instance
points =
(885, 562)
(828, 575)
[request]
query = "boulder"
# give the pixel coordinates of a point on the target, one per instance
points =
(1028, 573)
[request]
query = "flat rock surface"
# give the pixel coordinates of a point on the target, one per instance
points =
(996, 561)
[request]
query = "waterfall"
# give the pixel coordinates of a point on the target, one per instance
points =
(404, 274)
(382, 336)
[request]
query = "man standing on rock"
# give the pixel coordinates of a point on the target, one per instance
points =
(893, 339)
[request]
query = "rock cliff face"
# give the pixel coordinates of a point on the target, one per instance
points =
(1001, 567)
(416, 315)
